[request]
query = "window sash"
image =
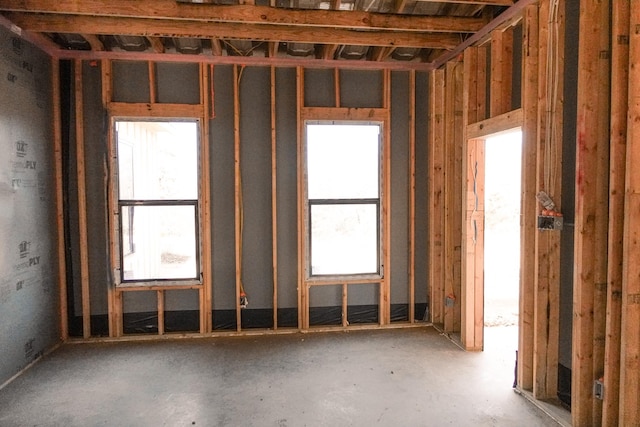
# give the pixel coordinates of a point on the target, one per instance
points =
(346, 250)
(130, 205)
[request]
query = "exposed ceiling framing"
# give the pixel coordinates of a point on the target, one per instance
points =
(400, 33)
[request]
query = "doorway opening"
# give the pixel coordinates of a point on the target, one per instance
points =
(503, 158)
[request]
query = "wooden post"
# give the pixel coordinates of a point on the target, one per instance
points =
(206, 291)
(345, 318)
(336, 86)
(57, 160)
(619, 107)
(453, 196)
(303, 310)
(529, 203)
(274, 198)
(436, 170)
(549, 171)
(412, 196)
(160, 301)
(472, 271)
(82, 201)
(591, 222)
(472, 295)
(385, 285)
(630, 354)
(238, 193)
(151, 67)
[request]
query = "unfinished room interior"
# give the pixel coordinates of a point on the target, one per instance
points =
(273, 212)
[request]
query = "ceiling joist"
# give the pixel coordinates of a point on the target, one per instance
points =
(306, 19)
(55, 23)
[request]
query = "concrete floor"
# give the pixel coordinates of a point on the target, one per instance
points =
(403, 377)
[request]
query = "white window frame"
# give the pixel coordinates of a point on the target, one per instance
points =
(379, 202)
(118, 205)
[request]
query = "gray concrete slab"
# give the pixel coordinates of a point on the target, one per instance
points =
(402, 377)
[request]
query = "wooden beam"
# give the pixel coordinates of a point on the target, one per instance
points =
(412, 196)
(82, 201)
(114, 315)
(94, 41)
(156, 44)
(59, 183)
(153, 87)
(216, 47)
(591, 217)
(303, 289)
(272, 49)
(124, 109)
(206, 324)
(160, 308)
(245, 15)
(274, 197)
(549, 172)
(345, 314)
(617, 165)
(504, 18)
(436, 168)
(480, 2)
(507, 121)
(472, 270)
(336, 86)
(237, 192)
(345, 113)
(380, 53)
(385, 285)
(630, 354)
(329, 51)
(42, 41)
(281, 61)
(472, 274)
(529, 202)
(57, 23)
(453, 196)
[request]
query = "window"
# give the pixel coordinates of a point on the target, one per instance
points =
(158, 200)
(343, 198)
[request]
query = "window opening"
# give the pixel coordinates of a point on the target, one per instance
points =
(158, 200)
(343, 198)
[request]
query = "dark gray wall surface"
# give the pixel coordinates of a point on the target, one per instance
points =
(131, 81)
(178, 83)
(222, 191)
(361, 89)
(255, 163)
(318, 88)
(95, 156)
(572, 14)
(29, 322)
(358, 89)
(422, 190)
(399, 187)
(287, 186)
